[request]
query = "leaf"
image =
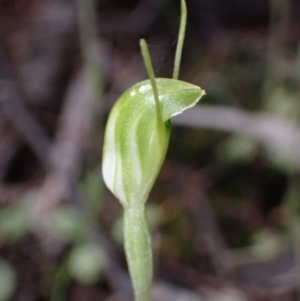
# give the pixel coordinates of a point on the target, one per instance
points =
(87, 262)
(7, 280)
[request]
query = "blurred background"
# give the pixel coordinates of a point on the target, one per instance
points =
(224, 212)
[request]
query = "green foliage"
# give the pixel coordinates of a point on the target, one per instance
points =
(15, 221)
(86, 263)
(7, 280)
(65, 222)
(237, 148)
(267, 244)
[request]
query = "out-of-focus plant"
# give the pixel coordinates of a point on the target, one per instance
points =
(7, 280)
(15, 221)
(135, 144)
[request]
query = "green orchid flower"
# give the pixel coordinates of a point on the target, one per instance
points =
(135, 145)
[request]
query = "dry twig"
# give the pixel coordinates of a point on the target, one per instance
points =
(274, 133)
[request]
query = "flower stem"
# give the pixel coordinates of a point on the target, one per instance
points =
(181, 36)
(138, 251)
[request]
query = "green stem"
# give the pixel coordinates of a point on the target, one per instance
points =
(181, 35)
(138, 251)
(149, 68)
